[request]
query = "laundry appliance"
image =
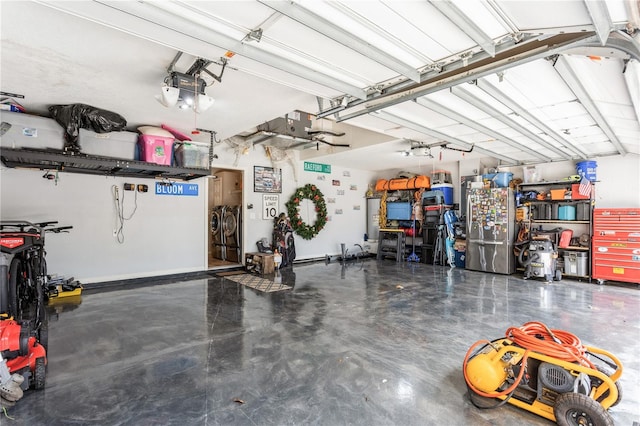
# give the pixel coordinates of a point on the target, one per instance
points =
(231, 226)
(218, 249)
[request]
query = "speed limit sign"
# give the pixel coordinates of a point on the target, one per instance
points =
(269, 206)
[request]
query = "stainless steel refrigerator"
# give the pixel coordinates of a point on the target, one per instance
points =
(373, 218)
(490, 230)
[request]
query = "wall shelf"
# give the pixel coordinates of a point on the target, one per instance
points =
(94, 165)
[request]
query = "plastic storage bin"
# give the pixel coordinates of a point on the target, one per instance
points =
(558, 194)
(31, 131)
(502, 179)
(440, 176)
(156, 149)
(575, 263)
(113, 144)
(567, 213)
(398, 211)
(192, 155)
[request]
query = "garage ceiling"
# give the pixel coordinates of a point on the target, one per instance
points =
(521, 81)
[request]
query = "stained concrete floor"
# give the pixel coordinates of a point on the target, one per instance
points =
(345, 346)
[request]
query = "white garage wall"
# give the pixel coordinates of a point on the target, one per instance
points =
(164, 236)
(348, 227)
(167, 234)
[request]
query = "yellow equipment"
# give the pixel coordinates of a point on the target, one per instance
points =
(548, 372)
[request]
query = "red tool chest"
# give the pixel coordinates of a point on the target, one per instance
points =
(616, 245)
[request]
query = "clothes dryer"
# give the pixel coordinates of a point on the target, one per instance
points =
(217, 235)
(230, 229)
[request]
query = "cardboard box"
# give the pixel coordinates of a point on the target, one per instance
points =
(259, 263)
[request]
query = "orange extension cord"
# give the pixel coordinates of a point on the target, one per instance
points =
(535, 336)
(558, 344)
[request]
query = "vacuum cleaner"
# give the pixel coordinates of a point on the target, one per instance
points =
(540, 259)
(547, 372)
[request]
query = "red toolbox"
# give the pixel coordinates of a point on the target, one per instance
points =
(616, 245)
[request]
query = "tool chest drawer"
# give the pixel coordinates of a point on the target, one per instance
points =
(616, 245)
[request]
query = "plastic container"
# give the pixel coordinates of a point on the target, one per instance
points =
(112, 144)
(575, 192)
(447, 191)
(575, 263)
(531, 174)
(583, 211)
(31, 131)
(440, 176)
(192, 155)
(558, 194)
(156, 149)
(587, 169)
(567, 213)
(502, 179)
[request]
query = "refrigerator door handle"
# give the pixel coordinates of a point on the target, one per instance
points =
(482, 242)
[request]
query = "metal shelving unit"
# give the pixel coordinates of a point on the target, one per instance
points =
(587, 225)
(94, 165)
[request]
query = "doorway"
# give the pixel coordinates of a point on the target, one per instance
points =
(225, 217)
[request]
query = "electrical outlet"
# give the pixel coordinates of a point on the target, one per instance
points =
(142, 188)
(129, 187)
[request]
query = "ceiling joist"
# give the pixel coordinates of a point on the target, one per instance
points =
(494, 113)
(434, 106)
(565, 71)
(342, 36)
(439, 135)
(522, 112)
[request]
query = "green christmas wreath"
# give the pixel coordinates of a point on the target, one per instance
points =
(310, 192)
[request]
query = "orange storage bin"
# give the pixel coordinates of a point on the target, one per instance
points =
(575, 192)
(558, 194)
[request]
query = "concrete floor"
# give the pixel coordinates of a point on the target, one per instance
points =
(345, 346)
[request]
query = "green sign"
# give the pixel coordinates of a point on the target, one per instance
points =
(317, 167)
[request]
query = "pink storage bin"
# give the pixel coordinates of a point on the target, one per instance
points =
(156, 149)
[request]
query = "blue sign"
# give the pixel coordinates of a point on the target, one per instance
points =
(176, 188)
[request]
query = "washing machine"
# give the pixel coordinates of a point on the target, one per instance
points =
(218, 249)
(231, 224)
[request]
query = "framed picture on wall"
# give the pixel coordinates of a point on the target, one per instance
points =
(267, 179)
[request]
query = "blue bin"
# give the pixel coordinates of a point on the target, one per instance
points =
(502, 179)
(567, 213)
(587, 169)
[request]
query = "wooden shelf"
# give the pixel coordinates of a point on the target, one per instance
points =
(554, 182)
(574, 248)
